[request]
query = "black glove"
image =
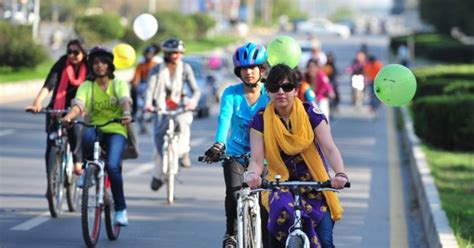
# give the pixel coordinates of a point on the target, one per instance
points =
(216, 150)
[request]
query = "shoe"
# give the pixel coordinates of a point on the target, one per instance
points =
(121, 218)
(156, 184)
(229, 241)
(185, 161)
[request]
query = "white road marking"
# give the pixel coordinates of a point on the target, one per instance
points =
(6, 132)
(36, 221)
(140, 169)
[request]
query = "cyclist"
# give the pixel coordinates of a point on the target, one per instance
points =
(238, 104)
(166, 87)
(295, 139)
(321, 85)
(102, 98)
(139, 83)
(66, 75)
(305, 92)
(371, 68)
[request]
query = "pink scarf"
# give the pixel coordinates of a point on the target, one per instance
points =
(68, 77)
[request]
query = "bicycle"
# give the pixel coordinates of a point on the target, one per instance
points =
(297, 238)
(249, 233)
(97, 194)
(60, 176)
(170, 147)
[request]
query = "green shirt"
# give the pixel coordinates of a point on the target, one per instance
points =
(106, 104)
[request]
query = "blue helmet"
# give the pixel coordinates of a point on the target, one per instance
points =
(250, 54)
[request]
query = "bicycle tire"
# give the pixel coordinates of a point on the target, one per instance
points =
(112, 229)
(91, 211)
(248, 227)
(171, 175)
(295, 241)
(72, 192)
(73, 195)
(54, 191)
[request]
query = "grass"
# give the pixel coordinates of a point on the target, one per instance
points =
(40, 72)
(454, 177)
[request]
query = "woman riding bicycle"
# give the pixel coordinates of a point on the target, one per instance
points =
(238, 105)
(166, 88)
(103, 98)
(66, 75)
(294, 138)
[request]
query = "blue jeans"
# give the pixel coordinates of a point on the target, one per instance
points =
(114, 145)
(323, 229)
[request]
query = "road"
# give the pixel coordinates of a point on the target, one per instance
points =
(374, 207)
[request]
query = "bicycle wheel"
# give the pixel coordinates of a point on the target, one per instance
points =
(295, 241)
(113, 230)
(72, 192)
(91, 210)
(171, 175)
(55, 191)
(248, 232)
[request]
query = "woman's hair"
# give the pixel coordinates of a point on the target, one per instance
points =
(108, 61)
(279, 73)
(308, 76)
(81, 44)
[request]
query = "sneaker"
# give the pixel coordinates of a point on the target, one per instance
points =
(185, 161)
(229, 241)
(156, 184)
(121, 218)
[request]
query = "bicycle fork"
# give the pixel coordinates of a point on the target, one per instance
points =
(297, 228)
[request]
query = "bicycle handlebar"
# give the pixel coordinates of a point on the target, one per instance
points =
(48, 111)
(114, 120)
(311, 184)
(227, 157)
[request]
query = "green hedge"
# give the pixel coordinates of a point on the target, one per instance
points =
(437, 47)
(17, 48)
(445, 121)
(442, 86)
(444, 71)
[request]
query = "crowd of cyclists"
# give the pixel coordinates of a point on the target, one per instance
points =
(279, 115)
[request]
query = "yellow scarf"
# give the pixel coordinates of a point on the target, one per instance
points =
(300, 141)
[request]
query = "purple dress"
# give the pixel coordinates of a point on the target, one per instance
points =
(281, 215)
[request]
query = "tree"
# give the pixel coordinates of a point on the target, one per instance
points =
(445, 15)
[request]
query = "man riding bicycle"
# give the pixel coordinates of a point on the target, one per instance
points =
(166, 89)
(239, 103)
(103, 98)
(295, 138)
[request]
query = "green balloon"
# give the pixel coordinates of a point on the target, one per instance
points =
(284, 50)
(395, 85)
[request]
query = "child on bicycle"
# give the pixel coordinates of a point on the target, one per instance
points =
(294, 138)
(103, 98)
(239, 103)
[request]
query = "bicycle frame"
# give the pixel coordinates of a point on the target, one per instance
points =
(296, 230)
(248, 198)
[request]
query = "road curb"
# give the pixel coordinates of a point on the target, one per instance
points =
(435, 222)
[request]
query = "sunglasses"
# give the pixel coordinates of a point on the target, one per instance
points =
(287, 87)
(74, 52)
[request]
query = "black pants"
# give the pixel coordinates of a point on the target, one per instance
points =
(233, 177)
(72, 134)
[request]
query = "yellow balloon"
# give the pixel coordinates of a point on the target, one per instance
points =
(124, 56)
